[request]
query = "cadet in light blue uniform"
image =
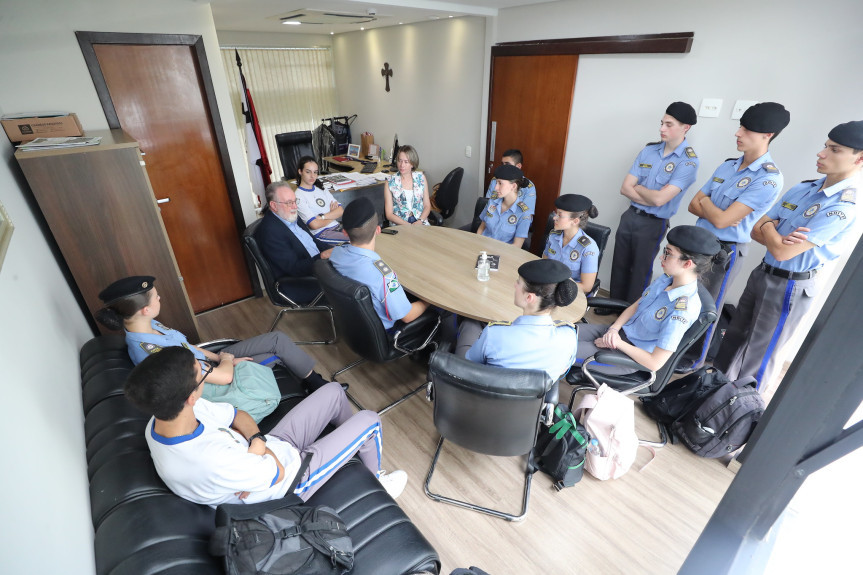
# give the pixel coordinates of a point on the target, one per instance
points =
(650, 330)
(533, 340)
(812, 224)
(567, 242)
(655, 185)
(361, 263)
(505, 218)
(740, 191)
(526, 193)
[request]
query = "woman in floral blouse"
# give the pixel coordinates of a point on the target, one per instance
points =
(407, 192)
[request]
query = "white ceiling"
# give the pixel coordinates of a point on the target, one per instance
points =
(263, 15)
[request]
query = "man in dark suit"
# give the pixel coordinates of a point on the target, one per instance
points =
(289, 249)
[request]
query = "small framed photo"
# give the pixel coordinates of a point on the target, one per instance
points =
(354, 150)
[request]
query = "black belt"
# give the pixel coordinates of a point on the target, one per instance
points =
(786, 274)
(641, 212)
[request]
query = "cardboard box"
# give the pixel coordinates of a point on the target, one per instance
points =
(26, 129)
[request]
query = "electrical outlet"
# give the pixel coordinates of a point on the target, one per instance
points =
(467, 152)
(710, 107)
(741, 106)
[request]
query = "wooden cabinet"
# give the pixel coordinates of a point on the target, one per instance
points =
(100, 207)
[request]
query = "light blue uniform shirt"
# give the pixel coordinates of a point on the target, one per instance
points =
(506, 226)
(757, 187)
(580, 255)
(830, 215)
(655, 171)
(304, 238)
(663, 316)
(529, 342)
(526, 194)
(141, 345)
(367, 267)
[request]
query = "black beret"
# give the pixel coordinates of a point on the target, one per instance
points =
(126, 287)
(357, 213)
(694, 240)
(572, 203)
(544, 271)
(765, 118)
(507, 172)
(849, 134)
(682, 112)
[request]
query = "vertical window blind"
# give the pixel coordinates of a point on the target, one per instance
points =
(292, 89)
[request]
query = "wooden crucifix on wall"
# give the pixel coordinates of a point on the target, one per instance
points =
(387, 73)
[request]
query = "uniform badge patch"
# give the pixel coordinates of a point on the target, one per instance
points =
(648, 166)
(393, 284)
(150, 347)
(849, 195)
(690, 153)
(769, 183)
(770, 167)
(839, 213)
(669, 167)
(682, 302)
(491, 323)
(144, 285)
(660, 313)
(523, 206)
(584, 240)
(512, 219)
(690, 164)
(789, 206)
(320, 202)
(383, 267)
(718, 180)
(744, 182)
(573, 255)
(811, 210)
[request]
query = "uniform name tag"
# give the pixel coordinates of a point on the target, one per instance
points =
(718, 180)
(789, 205)
(645, 166)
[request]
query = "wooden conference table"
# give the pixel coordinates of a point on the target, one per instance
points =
(437, 264)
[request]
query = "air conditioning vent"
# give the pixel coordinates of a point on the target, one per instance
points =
(306, 16)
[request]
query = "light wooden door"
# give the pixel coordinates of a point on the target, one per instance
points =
(159, 98)
(531, 99)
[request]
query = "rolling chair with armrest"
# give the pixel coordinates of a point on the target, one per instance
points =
(486, 409)
(643, 382)
(445, 199)
(358, 322)
(597, 232)
(293, 146)
(277, 287)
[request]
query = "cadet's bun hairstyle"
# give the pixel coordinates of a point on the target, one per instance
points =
(593, 212)
(565, 292)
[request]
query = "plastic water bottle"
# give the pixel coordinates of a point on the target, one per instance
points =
(482, 268)
(593, 447)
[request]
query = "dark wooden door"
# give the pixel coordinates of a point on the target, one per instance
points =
(159, 97)
(530, 102)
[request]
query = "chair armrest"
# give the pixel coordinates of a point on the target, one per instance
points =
(607, 303)
(435, 219)
(618, 358)
(217, 345)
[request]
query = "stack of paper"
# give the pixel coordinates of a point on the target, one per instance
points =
(51, 143)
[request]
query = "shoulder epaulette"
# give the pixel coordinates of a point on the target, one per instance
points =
(690, 153)
(529, 184)
(562, 323)
(523, 206)
(849, 195)
(652, 143)
(731, 159)
(555, 232)
(584, 240)
(682, 302)
(150, 347)
(809, 181)
(491, 323)
(382, 267)
(770, 167)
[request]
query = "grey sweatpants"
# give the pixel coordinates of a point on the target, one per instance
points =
(266, 345)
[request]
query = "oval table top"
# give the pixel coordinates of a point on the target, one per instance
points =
(437, 264)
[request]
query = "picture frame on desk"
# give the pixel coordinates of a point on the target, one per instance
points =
(6, 229)
(353, 151)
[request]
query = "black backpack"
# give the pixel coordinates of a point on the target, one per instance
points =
(723, 421)
(680, 395)
(561, 448)
(281, 537)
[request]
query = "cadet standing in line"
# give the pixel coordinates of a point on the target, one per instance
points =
(655, 184)
(740, 191)
(810, 226)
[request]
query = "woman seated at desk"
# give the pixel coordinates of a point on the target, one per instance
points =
(406, 194)
(567, 242)
(533, 340)
(318, 209)
(650, 330)
(506, 219)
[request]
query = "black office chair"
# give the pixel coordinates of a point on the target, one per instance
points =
(446, 197)
(643, 382)
(597, 232)
(277, 288)
(490, 410)
(362, 329)
(293, 146)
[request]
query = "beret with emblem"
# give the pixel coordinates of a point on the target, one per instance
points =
(573, 203)
(507, 172)
(126, 287)
(849, 134)
(544, 271)
(357, 213)
(765, 118)
(682, 112)
(694, 240)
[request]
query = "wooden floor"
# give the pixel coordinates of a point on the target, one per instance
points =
(644, 522)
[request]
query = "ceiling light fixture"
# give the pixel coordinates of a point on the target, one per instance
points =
(361, 28)
(292, 23)
(450, 15)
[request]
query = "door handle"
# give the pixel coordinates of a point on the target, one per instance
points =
(163, 201)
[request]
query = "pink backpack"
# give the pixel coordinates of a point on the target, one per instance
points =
(609, 417)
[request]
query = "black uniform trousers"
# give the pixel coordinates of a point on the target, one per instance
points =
(636, 245)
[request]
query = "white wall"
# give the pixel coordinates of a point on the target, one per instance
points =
(436, 94)
(800, 54)
(240, 39)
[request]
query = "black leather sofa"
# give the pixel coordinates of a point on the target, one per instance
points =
(143, 528)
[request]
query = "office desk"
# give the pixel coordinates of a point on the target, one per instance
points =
(352, 166)
(374, 192)
(437, 265)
